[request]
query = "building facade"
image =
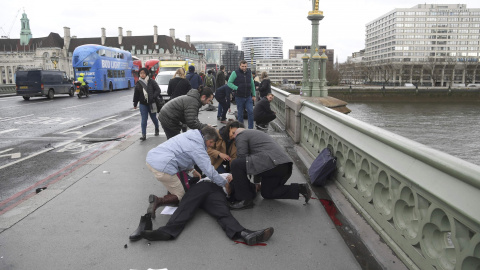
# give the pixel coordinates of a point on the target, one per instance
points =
(299, 51)
(28, 52)
(282, 71)
(220, 53)
(428, 44)
(255, 48)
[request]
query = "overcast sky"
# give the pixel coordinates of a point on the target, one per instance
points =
(342, 29)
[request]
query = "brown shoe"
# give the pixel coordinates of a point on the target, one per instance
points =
(156, 202)
(224, 122)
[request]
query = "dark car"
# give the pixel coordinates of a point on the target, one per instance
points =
(37, 83)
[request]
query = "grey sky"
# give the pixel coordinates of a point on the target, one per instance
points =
(342, 29)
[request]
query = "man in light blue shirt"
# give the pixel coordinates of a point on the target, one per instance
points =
(181, 153)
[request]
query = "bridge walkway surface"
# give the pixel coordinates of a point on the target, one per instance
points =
(84, 220)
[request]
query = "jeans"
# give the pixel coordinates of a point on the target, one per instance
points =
(219, 110)
(144, 112)
(246, 103)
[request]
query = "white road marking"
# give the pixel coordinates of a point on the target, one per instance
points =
(65, 143)
(83, 104)
(29, 103)
(13, 155)
(8, 130)
(11, 118)
(91, 123)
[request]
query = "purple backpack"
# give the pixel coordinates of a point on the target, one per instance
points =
(323, 167)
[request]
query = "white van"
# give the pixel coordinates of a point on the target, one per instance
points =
(474, 85)
(163, 78)
(409, 85)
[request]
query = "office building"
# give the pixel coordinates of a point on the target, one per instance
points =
(261, 48)
(282, 71)
(220, 53)
(430, 44)
(299, 51)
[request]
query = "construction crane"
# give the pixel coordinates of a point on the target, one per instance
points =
(7, 35)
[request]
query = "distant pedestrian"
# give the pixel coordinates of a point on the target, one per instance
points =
(178, 85)
(262, 113)
(223, 97)
(194, 79)
(184, 110)
(241, 81)
(146, 92)
(209, 80)
(265, 85)
(220, 80)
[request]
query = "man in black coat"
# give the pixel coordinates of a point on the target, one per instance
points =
(262, 113)
(258, 154)
(211, 198)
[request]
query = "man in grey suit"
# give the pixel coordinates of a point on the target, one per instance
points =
(258, 154)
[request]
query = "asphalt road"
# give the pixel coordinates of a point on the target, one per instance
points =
(43, 140)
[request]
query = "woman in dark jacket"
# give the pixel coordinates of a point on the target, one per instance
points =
(178, 85)
(265, 85)
(146, 92)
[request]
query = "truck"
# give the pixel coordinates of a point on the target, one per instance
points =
(174, 65)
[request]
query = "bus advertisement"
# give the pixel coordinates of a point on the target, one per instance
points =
(104, 68)
(152, 66)
(174, 65)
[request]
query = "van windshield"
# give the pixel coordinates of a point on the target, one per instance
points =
(163, 79)
(169, 68)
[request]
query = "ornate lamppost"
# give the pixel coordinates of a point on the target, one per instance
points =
(315, 16)
(54, 60)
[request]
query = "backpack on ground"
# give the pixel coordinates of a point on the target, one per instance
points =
(323, 167)
(209, 81)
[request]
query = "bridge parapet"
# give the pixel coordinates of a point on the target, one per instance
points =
(422, 202)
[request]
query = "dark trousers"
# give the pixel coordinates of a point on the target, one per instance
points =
(223, 106)
(273, 182)
(265, 118)
(211, 199)
(169, 132)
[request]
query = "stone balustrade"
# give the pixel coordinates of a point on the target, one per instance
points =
(422, 202)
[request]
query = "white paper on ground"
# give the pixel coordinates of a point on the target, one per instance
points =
(168, 210)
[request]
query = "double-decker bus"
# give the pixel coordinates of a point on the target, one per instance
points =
(153, 66)
(104, 68)
(137, 65)
(213, 67)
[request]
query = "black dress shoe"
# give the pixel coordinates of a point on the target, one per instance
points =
(145, 224)
(143, 138)
(156, 235)
(245, 204)
(157, 132)
(253, 237)
(305, 191)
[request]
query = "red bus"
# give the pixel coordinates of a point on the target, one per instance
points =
(137, 65)
(153, 66)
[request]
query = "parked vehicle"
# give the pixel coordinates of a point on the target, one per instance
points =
(409, 85)
(473, 85)
(39, 82)
(162, 80)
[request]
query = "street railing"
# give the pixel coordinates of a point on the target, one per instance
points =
(7, 89)
(422, 202)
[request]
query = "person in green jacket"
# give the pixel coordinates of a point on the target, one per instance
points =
(241, 81)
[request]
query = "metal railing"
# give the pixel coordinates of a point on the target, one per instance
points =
(422, 202)
(7, 89)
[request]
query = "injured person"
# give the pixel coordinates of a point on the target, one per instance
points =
(211, 198)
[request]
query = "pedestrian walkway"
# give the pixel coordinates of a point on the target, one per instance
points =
(84, 220)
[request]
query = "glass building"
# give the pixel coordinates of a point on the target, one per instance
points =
(220, 53)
